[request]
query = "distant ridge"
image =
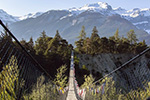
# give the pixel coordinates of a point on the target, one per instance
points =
(70, 21)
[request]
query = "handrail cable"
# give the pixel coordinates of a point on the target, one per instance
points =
(137, 56)
(24, 48)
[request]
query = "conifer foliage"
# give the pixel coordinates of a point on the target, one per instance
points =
(50, 52)
(114, 44)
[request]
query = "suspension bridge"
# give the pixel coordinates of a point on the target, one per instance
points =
(20, 71)
(71, 93)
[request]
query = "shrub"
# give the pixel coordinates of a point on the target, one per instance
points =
(42, 91)
(84, 67)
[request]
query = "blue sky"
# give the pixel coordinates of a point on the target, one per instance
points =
(22, 7)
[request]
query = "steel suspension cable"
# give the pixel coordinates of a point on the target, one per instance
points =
(24, 49)
(123, 65)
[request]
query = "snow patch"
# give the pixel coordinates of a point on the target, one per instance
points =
(148, 31)
(134, 12)
(119, 10)
(66, 16)
(63, 17)
(143, 22)
(30, 15)
(74, 22)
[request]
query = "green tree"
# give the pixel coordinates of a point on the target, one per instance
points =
(116, 35)
(94, 34)
(54, 44)
(111, 46)
(104, 45)
(31, 43)
(132, 37)
(80, 42)
(58, 45)
(24, 43)
(123, 39)
(61, 78)
(57, 53)
(57, 36)
(87, 45)
(82, 33)
(41, 44)
(6, 35)
(95, 41)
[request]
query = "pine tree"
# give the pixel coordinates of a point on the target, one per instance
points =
(31, 46)
(80, 45)
(87, 45)
(143, 43)
(57, 36)
(80, 42)
(6, 35)
(57, 53)
(43, 34)
(132, 36)
(123, 39)
(116, 35)
(53, 45)
(23, 42)
(94, 34)
(95, 41)
(82, 33)
(31, 43)
(111, 46)
(41, 44)
(104, 45)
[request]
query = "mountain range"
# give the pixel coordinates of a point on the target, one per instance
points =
(69, 22)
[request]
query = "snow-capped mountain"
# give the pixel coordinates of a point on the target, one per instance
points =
(9, 19)
(137, 12)
(138, 17)
(100, 7)
(102, 15)
(119, 10)
(30, 15)
(106, 9)
(6, 18)
(133, 13)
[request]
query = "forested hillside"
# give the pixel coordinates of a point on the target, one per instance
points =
(96, 44)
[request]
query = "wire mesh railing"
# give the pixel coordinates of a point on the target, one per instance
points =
(130, 81)
(21, 76)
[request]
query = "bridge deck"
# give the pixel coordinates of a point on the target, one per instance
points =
(71, 92)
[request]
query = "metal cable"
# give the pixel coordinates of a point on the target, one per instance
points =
(123, 65)
(24, 49)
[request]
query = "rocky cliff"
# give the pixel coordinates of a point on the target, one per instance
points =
(133, 75)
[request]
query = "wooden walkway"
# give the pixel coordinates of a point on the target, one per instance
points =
(71, 93)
